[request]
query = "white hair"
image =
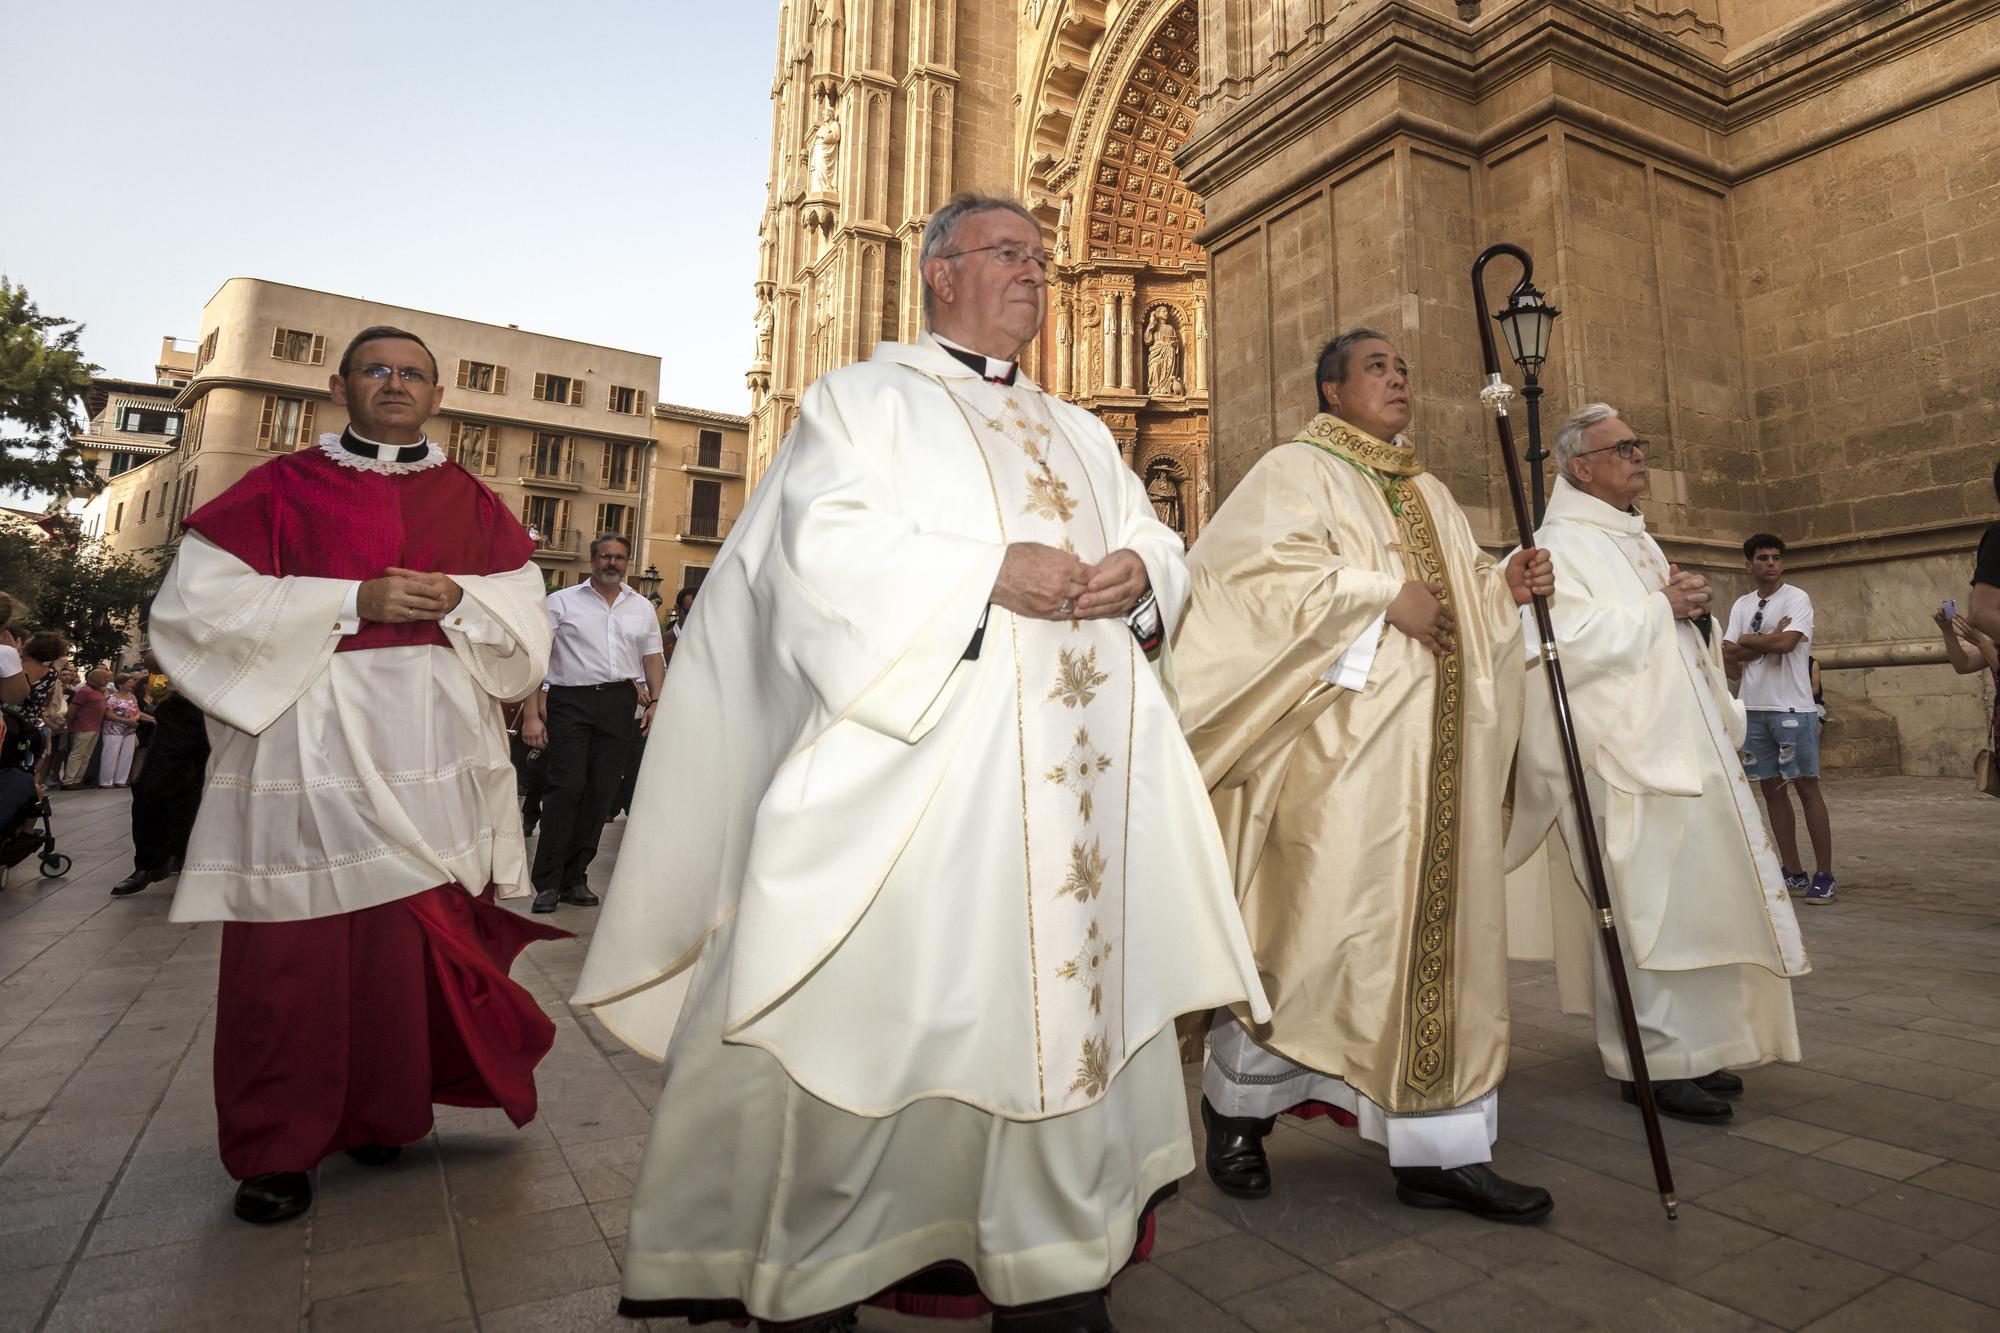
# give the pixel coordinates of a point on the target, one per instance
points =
(1569, 440)
(942, 229)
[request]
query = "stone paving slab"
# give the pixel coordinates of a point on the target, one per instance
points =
(1858, 1190)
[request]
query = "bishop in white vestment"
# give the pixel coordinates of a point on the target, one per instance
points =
(920, 872)
(1708, 933)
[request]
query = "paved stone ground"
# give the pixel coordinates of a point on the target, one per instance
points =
(1857, 1190)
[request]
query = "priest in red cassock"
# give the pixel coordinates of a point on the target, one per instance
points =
(349, 618)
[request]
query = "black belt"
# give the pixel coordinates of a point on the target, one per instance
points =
(601, 685)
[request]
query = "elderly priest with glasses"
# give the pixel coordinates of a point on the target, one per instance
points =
(920, 872)
(348, 617)
(1709, 935)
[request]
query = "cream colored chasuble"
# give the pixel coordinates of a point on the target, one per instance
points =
(1074, 698)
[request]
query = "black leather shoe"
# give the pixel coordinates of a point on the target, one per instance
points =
(1683, 1099)
(1235, 1157)
(545, 901)
(1722, 1083)
(134, 882)
(581, 896)
(1478, 1189)
(375, 1154)
(274, 1196)
(843, 1321)
(1067, 1314)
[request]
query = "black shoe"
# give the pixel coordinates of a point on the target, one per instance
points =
(844, 1321)
(545, 901)
(134, 882)
(1068, 1314)
(274, 1196)
(1722, 1083)
(1478, 1189)
(1683, 1099)
(375, 1154)
(1235, 1158)
(580, 895)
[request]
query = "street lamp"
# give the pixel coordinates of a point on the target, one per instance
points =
(648, 584)
(1525, 324)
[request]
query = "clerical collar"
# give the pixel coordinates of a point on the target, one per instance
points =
(991, 368)
(362, 447)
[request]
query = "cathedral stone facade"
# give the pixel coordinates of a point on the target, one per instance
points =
(1772, 227)
(883, 108)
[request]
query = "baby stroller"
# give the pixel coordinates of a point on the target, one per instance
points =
(24, 813)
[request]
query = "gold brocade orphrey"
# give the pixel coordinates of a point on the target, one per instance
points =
(1432, 991)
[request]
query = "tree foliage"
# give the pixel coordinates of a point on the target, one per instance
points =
(42, 377)
(79, 587)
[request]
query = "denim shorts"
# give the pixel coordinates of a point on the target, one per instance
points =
(1781, 745)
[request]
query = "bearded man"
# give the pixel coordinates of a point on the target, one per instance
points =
(1350, 677)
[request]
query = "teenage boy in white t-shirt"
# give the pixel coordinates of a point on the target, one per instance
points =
(1770, 638)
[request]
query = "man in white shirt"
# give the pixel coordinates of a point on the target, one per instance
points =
(1770, 639)
(606, 639)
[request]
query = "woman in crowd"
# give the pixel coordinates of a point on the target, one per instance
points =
(122, 716)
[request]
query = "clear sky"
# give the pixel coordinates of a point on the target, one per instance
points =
(593, 169)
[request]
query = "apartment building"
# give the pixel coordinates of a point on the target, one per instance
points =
(558, 428)
(695, 492)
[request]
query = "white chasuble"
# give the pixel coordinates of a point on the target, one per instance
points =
(981, 873)
(1709, 935)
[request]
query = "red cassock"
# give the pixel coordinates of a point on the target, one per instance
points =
(344, 1030)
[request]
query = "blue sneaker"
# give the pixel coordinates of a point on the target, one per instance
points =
(1821, 889)
(1797, 882)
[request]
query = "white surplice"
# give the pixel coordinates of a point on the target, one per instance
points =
(319, 799)
(932, 915)
(1709, 936)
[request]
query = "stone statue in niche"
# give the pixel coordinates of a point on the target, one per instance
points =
(766, 321)
(825, 158)
(1062, 231)
(1163, 355)
(1163, 488)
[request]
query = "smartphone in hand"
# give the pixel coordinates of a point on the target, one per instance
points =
(1950, 608)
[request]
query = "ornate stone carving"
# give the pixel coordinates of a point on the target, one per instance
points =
(1166, 481)
(1139, 206)
(825, 150)
(1163, 355)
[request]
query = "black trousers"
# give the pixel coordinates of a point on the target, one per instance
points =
(166, 795)
(590, 735)
(529, 778)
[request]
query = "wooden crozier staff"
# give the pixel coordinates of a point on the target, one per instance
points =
(1496, 395)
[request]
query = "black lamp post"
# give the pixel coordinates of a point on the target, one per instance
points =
(648, 584)
(1525, 324)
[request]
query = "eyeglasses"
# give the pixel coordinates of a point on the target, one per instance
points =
(1007, 256)
(1625, 449)
(1757, 621)
(408, 374)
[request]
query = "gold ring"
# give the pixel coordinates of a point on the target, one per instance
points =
(1068, 606)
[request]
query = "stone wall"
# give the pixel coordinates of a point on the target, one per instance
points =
(1773, 231)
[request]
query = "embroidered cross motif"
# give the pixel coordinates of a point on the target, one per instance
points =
(1079, 771)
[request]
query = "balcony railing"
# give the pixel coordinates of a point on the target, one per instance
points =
(557, 543)
(723, 462)
(563, 477)
(703, 527)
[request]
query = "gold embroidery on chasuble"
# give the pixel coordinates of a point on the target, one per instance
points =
(1431, 988)
(1074, 701)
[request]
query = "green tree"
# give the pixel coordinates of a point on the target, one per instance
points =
(42, 376)
(79, 587)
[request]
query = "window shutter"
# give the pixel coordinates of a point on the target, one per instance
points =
(611, 397)
(278, 343)
(457, 430)
(642, 402)
(499, 379)
(562, 515)
(306, 415)
(264, 427)
(604, 467)
(319, 349)
(492, 450)
(464, 373)
(576, 392)
(541, 387)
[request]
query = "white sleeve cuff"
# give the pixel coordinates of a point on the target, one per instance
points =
(350, 611)
(475, 624)
(1350, 670)
(1145, 617)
